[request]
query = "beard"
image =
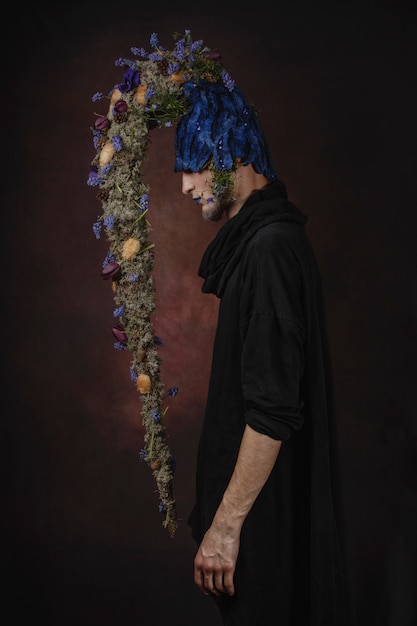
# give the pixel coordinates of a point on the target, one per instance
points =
(214, 211)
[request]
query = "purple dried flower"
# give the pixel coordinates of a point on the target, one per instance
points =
(133, 374)
(119, 332)
(139, 52)
(156, 57)
(111, 270)
(109, 221)
(123, 62)
(94, 180)
(150, 93)
(173, 67)
(96, 138)
(172, 392)
(109, 258)
(213, 56)
(228, 81)
(179, 50)
(97, 226)
(120, 106)
(196, 46)
(119, 311)
(154, 40)
(155, 415)
(117, 143)
(131, 80)
(144, 202)
(101, 123)
(106, 169)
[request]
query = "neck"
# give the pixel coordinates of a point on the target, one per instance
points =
(247, 181)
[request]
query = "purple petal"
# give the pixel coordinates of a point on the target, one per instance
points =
(118, 332)
(111, 270)
(101, 123)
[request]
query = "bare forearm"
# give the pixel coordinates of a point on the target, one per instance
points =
(215, 562)
(257, 456)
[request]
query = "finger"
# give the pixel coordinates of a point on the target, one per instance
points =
(228, 585)
(213, 583)
(206, 583)
(199, 581)
(209, 584)
(218, 583)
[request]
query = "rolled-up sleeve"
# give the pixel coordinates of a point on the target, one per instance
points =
(272, 367)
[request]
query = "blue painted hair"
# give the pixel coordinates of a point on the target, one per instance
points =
(222, 126)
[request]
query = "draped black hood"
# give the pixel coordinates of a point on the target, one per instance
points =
(263, 207)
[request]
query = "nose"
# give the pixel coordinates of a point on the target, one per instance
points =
(187, 183)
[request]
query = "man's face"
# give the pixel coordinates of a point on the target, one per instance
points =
(198, 186)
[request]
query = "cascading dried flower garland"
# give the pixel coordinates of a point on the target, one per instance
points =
(150, 96)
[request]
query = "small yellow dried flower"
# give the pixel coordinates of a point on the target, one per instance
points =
(143, 383)
(106, 154)
(116, 95)
(140, 95)
(179, 78)
(130, 247)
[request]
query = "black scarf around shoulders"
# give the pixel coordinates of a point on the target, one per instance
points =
(263, 207)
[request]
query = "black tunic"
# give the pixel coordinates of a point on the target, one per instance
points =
(271, 369)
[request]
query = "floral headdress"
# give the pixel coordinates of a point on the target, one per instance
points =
(161, 88)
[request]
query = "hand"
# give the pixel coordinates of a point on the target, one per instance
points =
(215, 563)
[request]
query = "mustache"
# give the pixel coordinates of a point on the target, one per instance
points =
(199, 199)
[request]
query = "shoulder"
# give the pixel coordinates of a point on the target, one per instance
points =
(280, 251)
(279, 239)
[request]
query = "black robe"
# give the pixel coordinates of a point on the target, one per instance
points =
(271, 369)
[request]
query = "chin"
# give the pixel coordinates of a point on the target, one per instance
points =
(212, 213)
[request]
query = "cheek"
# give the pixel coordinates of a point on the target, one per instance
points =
(204, 179)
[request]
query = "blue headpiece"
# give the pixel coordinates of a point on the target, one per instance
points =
(222, 126)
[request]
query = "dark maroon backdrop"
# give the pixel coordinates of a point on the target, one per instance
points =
(336, 83)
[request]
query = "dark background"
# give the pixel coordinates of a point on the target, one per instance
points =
(336, 84)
